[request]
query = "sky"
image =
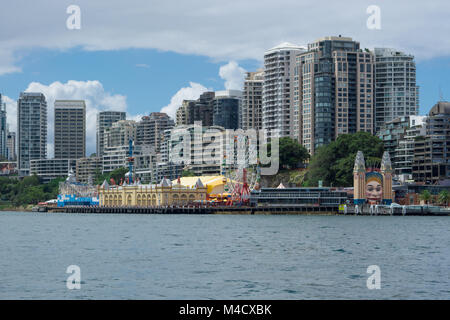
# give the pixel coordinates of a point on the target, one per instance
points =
(146, 56)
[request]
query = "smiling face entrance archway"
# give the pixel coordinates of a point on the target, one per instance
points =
(373, 186)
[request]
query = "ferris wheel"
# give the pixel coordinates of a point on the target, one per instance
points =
(241, 177)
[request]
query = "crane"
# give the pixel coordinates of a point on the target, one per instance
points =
(130, 160)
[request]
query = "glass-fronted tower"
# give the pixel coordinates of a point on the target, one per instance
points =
(226, 109)
(3, 130)
(277, 104)
(31, 129)
(333, 91)
(70, 129)
(397, 94)
(192, 111)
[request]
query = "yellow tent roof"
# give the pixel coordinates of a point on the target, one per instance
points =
(209, 181)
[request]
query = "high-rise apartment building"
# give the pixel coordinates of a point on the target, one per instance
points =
(49, 169)
(333, 91)
(185, 112)
(226, 107)
(398, 138)
(146, 165)
(250, 114)
(396, 92)
(204, 153)
(11, 146)
(165, 168)
(150, 130)
(70, 129)
(116, 157)
(120, 133)
(31, 129)
(196, 110)
(88, 168)
(3, 130)
(277, 104)
(116, 144)
(105, 119)
(203, 110)
(431, 162)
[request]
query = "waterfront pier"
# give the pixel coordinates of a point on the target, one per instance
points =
(285, 210)
(200, 210)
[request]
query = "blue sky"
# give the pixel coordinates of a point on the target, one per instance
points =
(141, 56)
(148, 78)
(433, 77)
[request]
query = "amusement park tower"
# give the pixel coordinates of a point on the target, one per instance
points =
(359, 179)
(386, 172)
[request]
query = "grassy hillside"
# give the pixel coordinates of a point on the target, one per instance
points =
(292, 178)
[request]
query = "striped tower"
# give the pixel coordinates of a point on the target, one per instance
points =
(359, 179)
(386, 172)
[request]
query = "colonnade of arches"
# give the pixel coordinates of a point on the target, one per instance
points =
(145, 200)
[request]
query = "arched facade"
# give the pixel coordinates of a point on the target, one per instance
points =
(163, 194)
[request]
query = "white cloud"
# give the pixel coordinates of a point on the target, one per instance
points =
(192, 92)
(97, 99)
(135, 117)
(241, 30)
(92, 92)
(7, 62)
(11, 112)
(233, 75)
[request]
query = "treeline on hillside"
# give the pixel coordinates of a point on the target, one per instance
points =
(333, 163)
(118, 175)
(29, 190)
(291, 154)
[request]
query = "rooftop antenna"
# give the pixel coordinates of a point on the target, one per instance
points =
(441, 95)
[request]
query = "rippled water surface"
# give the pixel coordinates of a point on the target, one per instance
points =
(223, 256)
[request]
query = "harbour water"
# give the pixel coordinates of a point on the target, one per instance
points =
(124, 256)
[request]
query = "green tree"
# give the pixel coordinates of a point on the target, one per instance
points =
(425, 195)
(444, 197)
(7, 188)
(117, 174)
(99, 177)
(29, 181)
(51, 189)
(27, 191)
(333, 163)
(297, 177)
(188, 173)
(292, 154)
